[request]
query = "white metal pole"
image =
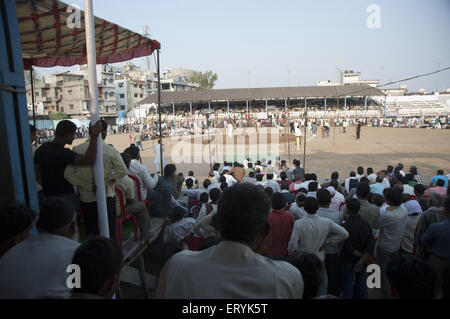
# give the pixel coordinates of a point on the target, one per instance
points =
(95, 116)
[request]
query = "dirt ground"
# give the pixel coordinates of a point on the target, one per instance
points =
(427, 149)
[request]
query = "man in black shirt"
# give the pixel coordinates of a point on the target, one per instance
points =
(355, 254)
(52, 158)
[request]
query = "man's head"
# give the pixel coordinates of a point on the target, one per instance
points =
(259, 177)
(394, 198)
(411, 278)
(419, 190)
(440, 172)
(204, 197)
(311, 268)
(324, 197)
(251, 174)
(189, 183)
(353, 206)
(362, 190)
(206, 183)
(379, 179)
(400, 166)
(413, 170)
(65, 130)
(169, 170)
(269, 177)
(243, 213)
(352, 174)
(283, 175)
(191, 173)
(56, 217)
(334, 176)
(278, 201)
(312, 186)
(311, 205)
(126, 159)
(214, 194)
(223, 186)
(133, 151)
(377, 200)
(268, 191)
(440, 182)
(360, 170)
(369, 170)
(16, 223)
(390, 169)
(284, 186)
(100, 262)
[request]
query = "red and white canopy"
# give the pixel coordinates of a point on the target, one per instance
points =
(48, 41)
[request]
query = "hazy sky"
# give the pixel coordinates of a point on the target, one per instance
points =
(306, 37)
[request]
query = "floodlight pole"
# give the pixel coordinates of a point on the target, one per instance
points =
(304, 143)
(159, 112)
(95, 116)
(32, 95)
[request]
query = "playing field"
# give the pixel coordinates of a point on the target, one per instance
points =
(428, 149)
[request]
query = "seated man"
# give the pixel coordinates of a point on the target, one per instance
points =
(162, 207)
(100, 262)
(36, 268)
(234, 268)
(290, 198)
(180, 228)
(16, 223)
(132, 206)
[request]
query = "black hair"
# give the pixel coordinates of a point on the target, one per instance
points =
(251, 174)
(312, 186)
(411, 278)
(204, 197)
(363, 190)
(419, 189)
(313, 176)
(259, 177)
(242, 212)
(177, 214)
(395, 197)
(360, 170)
(222, 179)
(216, 167)
(223, 186)
(353, 206)
(214, 194)
(413, 170)
(126, 159)
(283, 175)
(324, 197)
(302, 190)
(379, 179)
(206, 183)
(278, 201)
(364, 180)
(99, 259)
(334, 183)
(377, 200)
(65, 127)
(14, 218)
(440, 182)
(169, 170)
(352, 174)
(191, 173)
(250, 165)
(311, 267)
(284, 186)
(369, 170)
(440, 172)
(334, 176)
(389, 168)
(133, 150)
(189, 182)
(311, 205)
(269, 176)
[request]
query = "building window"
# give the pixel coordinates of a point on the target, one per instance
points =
(71, 106)
(165, 86)
(121, 85)
(135, 95)
(122, 96)
(141, 95)
(122, 107)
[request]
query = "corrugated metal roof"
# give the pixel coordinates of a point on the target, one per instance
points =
(273, 93)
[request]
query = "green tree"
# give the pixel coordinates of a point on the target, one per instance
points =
(54, 116)
(206, 80)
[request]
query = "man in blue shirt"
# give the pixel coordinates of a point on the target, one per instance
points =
(439, 175)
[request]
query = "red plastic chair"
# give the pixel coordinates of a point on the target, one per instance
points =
(124, 217)
(138, 192)
(194, 243)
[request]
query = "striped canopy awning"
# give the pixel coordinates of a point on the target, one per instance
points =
(48, 40)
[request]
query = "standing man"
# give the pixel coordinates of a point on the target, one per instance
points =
(158, 157)
(344, 125)
(298, 135)
(358, 130)
(83, 178)
(52, 158)
(138, 140)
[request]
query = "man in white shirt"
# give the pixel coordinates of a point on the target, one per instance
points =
(36, 267)
(158, 149)
(337, 199)
(272, 184)
(312, 233)
(234, 268)
(147, 181)
(371, 176)
(392, 223)
(298, 135)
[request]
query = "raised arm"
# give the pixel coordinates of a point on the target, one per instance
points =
(91, 153)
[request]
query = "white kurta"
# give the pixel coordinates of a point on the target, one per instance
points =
(158, 157)
(230, 130)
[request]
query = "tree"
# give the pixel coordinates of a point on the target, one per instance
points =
(54, 116)
(206, 80)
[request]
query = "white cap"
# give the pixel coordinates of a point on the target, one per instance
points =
(331, 190)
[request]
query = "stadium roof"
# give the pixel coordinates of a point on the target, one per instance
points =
(274, 93)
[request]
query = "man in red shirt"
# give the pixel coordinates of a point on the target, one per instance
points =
(281, 222)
